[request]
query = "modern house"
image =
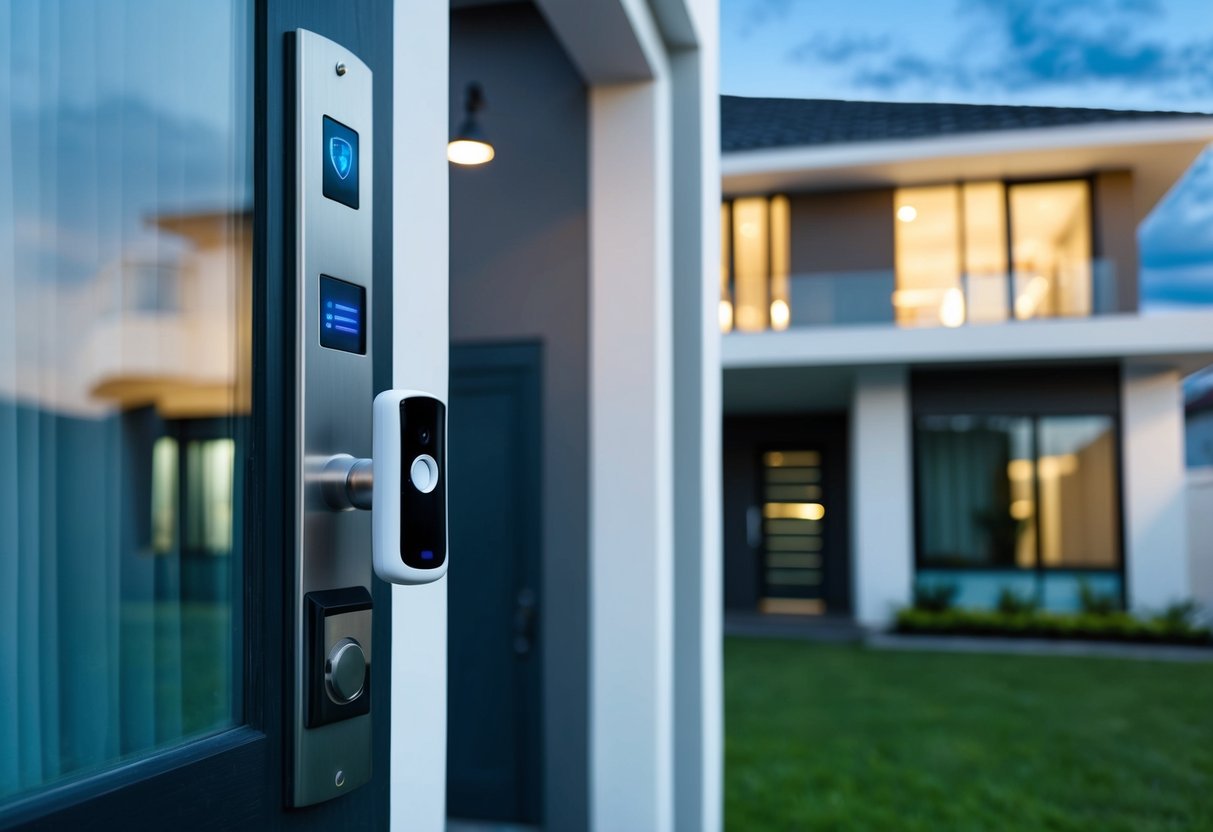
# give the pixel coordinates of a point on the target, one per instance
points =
(935, 368)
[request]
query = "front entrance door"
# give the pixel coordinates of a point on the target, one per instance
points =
(792, 518)
(147, 353)
(494, 667)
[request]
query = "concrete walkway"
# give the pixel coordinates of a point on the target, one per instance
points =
(1040, 647)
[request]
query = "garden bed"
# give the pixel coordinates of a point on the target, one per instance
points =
(1116, 626)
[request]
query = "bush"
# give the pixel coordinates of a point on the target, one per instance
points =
(1179, 615)
(1168, 628)
(935, 597)
(1096, 603)
(1011, 602)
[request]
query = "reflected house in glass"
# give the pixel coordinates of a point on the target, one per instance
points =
(935, 308)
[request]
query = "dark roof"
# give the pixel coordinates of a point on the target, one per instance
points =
(754, 123)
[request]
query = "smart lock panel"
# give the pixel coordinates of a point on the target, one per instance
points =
(334, 297)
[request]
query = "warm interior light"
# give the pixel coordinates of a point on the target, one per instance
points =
(725, 314)
(793, 511)
(469, 152)
(907, 213)
(952, 310)
(780, 314)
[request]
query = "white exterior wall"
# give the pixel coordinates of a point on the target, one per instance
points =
(1200, 535)
(631, 492)
(420, 350)
(881, 494)
(1154, 488)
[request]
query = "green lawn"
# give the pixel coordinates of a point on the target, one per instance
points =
(841, 738)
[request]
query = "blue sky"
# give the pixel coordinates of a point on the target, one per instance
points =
(1124, 54)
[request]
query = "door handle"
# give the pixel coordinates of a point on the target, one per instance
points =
(525, 614)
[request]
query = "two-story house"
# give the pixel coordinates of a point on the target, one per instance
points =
(935, 369)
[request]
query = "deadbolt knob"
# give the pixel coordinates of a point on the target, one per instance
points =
(345, 671)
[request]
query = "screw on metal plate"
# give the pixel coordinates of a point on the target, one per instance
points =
(339, 779)
(340, 68)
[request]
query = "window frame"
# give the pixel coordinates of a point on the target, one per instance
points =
(1034, 416)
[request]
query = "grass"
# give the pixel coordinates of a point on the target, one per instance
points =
(842, 738)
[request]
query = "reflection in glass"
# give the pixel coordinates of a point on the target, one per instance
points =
(974, 487)
(1078, 505)
(125, 360)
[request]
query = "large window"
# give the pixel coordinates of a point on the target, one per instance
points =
(1017, 492)
(954, 243)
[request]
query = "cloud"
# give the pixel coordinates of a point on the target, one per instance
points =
(1016, 46)
(840, 48)
(758, 13)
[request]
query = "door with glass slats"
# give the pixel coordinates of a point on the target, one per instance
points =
(144, 343)
(793, 516)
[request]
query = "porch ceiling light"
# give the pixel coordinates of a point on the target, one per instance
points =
(469, 145)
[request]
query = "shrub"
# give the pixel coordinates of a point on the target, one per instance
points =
(1179, 615)
(1096, 603)
(934, 597)
(1011, 602)
(1102, 626)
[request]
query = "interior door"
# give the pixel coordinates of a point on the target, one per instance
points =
(147, 389)
(494, 667)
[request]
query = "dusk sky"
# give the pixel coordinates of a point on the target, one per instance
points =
(1125, 54)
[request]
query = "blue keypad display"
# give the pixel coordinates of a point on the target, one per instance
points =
(342, 315)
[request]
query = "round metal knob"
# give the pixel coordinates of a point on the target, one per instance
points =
(345, 671)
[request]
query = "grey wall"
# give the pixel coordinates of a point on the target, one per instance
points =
(1115, 232)
(519, 269)
(842, 232)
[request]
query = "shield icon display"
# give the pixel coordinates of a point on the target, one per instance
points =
(341, 155)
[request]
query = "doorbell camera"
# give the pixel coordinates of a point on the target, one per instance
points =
(409, 516)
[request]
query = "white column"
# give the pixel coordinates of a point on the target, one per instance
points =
(1154, 487)
(631, 505)
(881, 494)
(698, 705)
(420, 346)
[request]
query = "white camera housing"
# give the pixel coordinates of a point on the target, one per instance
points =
(408, 518)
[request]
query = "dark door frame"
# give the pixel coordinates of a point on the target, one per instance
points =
(237, 779)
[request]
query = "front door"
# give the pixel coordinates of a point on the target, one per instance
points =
(147, 389)
(494, 667)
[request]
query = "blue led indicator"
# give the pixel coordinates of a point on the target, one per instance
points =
(427, 554)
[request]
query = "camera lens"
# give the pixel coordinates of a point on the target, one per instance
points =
(423, 436)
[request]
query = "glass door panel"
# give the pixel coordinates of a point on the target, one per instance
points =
(793, 533)
(125, 369)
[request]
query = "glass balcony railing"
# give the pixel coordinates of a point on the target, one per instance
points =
(873, 297)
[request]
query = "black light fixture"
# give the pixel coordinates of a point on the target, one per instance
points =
(469, 146)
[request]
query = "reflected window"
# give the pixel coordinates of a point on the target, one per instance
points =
(126, 289)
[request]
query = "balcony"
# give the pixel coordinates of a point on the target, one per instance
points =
(866, 298)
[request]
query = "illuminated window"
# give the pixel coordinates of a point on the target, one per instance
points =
(956, 264)
(755, 266)
(1017, 492)
(1051, 249)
